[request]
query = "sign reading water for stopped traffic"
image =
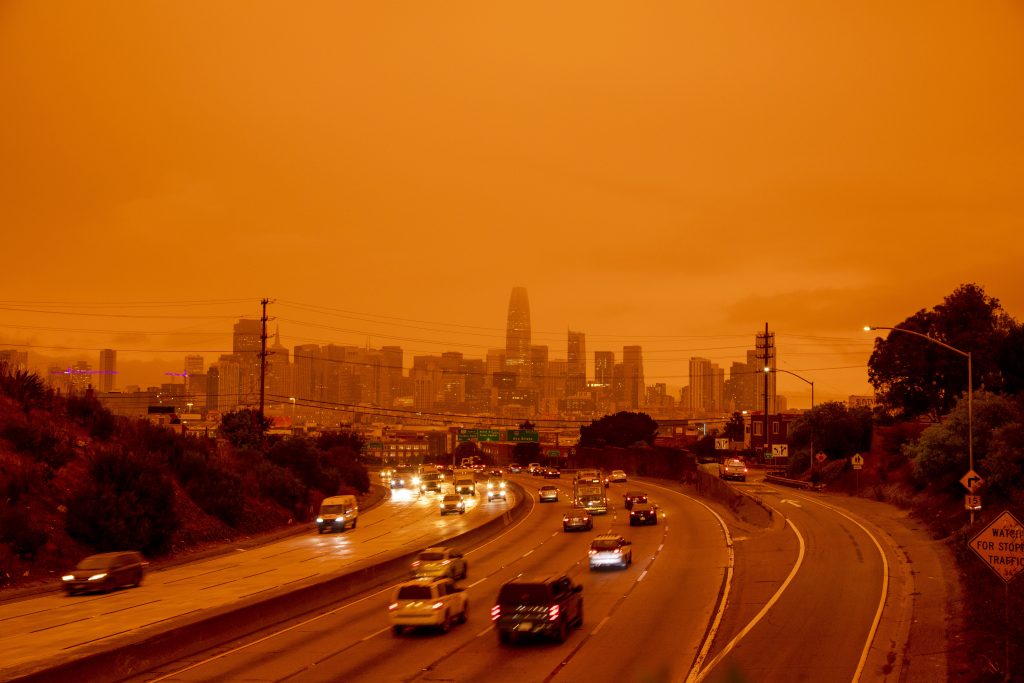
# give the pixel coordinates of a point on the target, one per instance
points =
(1001, 546)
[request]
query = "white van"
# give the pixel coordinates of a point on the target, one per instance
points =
(336, 513)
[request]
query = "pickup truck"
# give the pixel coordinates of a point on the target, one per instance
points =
(432, 602)
(540, 605)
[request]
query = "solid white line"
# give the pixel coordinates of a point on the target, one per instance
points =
(528, 553)
(598, 627)
(660, 547)
(476, 583)
(373, 635)
(485, 631)
(885, 586)
(641, 577)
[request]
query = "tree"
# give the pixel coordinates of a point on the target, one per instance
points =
(939, 456)
(734, 427)
(915, 377)
(623, 430)
(243, 427)
(837, 431)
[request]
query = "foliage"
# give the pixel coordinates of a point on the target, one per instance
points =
(916, 377)
(18, 528)
(218, 492)
(127, 502)
(734, 427)
(350, 471)
(280, 485)
(940, 455)
(38, 442)
(623, 430)
(26, 388)
(244, 427)
(90, 413)
(835, 430)
(351, 441)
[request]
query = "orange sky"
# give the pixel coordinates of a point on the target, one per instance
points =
(672, 175)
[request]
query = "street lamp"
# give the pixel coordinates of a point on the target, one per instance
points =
(292, 399)
(970, 387)
(790, 372)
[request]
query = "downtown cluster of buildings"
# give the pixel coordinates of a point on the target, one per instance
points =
(331, 383)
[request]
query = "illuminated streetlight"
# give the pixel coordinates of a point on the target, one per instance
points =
(292, 399)
(970, 386)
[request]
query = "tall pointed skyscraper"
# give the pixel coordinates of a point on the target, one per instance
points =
(517, 333)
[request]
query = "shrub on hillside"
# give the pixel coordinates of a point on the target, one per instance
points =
(302, 458)
(350, 471)
(18, 529)
(218, 492)
(21, 478)
(127, 502)
(90, 413)
(27, 388)
(281, 486)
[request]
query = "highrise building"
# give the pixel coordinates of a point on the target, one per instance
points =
(576, 377)
(604, 365)
(517, 333)
(246, 347)
(633, 379)
(391, 383)
(278, 387)
(538, 366)
(108, 368)
(194, 365)
(700, 385)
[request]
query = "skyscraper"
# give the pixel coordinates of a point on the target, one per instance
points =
(517, 333)
(633, 369)
(576, 379)
(108, 368)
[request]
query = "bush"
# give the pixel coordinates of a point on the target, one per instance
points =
(18, 529)
(281, 486)
(218, 492)
(91, 414)
(127, 503)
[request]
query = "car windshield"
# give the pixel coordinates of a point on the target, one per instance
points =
(96, 563)
(452, 498)
(414, 593)
(734, 463)
(334, 509)
(605, 544)
(548, 488)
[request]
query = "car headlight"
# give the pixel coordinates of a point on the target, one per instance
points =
(68, 577)
(319, 520)
(97, 577)
(415, 481)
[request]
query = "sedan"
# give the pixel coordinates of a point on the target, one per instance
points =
(617, 476)
(548, 494)
(105, 572)
(577, 519)
(643, 513)
(454, 504)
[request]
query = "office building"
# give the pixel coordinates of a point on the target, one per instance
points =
(108, 369)
(517, 333)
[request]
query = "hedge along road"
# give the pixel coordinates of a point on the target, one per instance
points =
(37, 635)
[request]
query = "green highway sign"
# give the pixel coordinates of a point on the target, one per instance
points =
(522, 435)
(554, 454)
(479, 435)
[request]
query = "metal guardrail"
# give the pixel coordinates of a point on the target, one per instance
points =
(794, 483)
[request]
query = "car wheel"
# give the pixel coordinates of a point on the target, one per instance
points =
(505, 638)
(319, 530)
(579, 616)
(464, 617)
(354, 523)
(563, 632)
(396, 630)
(138, 579)
(446, 624)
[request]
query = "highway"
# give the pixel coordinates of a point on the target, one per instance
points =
(52, 628)
(643, 623)
(822, 594)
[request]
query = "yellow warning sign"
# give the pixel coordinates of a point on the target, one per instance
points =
(1001, 546)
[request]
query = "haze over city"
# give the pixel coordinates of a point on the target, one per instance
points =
(673, 177)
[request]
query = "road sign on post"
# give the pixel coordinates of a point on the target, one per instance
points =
(1000, 545)
(972, 481)
(721, 444)
(554, 454)
(522, 435)
(820, 457)
(857, 460)
(780, 450)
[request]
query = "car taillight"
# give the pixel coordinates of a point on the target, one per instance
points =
(416, 563)
(437, 605)
(495, 612)
(553, 613)
(593, 552)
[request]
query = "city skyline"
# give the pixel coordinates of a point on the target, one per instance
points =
(672, 177)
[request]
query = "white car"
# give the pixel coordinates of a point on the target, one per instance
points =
(439, 562)
(495, 489)
(617, 476)
(548, 494)
(454, 504)
(610, 550)
(427, 602)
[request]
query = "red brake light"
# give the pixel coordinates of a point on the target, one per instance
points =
(495, 612)
(553, 613)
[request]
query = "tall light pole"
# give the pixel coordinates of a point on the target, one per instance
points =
(790, 372)
(970, 387)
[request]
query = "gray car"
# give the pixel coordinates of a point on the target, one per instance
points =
(105, 572)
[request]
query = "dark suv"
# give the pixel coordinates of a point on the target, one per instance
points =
(540, 605)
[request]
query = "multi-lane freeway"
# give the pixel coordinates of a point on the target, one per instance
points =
(822, 594)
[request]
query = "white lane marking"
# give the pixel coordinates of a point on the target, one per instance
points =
(660, 547)
(790, 501)
(485, 631)
(374, 635)
(598, 627)
(760, 615)
(641, 577)
(476, 583)
(885, 585)
(528, 553)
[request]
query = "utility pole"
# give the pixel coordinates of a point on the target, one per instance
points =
(766, 354)
(263, 356)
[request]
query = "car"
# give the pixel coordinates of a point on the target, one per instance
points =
(617, 477)
(546, 606)
(453, 503)
(432, 602)
(643, 513)
(440, 562)
(515, 468)
(497, 472)
(632, 497)
(552, 473)
(733, 468)
(610, 550)
(577, 519)
(548, 494)
(337, 513)
(535, 469)
(496, 489)
(105, 572)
